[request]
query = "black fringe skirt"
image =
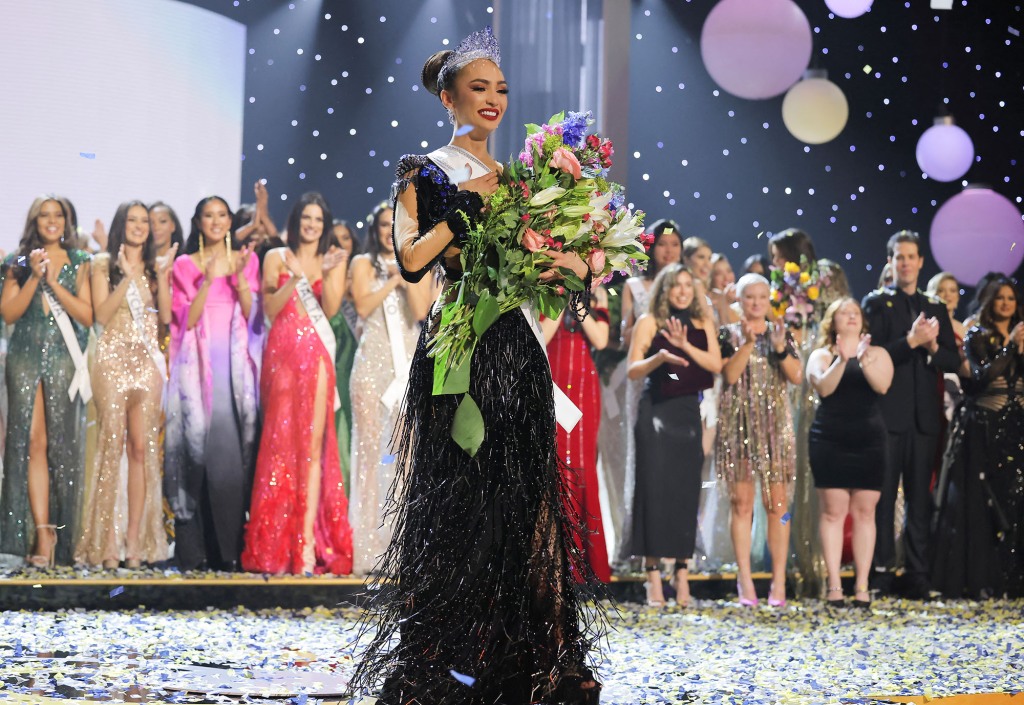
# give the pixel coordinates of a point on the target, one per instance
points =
(482, 596)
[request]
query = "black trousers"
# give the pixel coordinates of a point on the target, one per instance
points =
(912, 457)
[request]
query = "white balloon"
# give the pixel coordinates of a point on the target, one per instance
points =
(849, 8)
(815, 109)
(945, 151)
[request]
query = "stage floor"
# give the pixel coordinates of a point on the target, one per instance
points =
(713, 652)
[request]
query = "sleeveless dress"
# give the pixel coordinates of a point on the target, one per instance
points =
(847, 438)
(38, 355)
(274, 537)
(669, 452)
(482, 575)
(123, 373)
(573, 370)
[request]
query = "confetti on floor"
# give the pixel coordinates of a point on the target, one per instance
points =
(714, 652)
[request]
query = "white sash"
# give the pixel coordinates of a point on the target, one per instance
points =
(321, 325)
(567, 414)
(80, 382)
(138, 311)
(399, 360)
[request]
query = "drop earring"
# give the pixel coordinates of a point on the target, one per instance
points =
(451, 115)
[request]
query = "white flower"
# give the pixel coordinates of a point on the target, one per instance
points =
(551, 193)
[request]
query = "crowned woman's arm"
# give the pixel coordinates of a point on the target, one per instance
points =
(414, 251)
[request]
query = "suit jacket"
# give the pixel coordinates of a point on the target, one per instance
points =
(913, 401)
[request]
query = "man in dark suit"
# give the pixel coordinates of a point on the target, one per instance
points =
(917, 332)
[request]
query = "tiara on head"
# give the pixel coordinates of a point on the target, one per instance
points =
(479, 45)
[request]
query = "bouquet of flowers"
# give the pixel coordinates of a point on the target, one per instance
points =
(554, 196)
(794, 289)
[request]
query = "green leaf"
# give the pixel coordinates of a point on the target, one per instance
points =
(550, 304)
(572, 282)
(485, 314)
(468, 426)
(532, 128)
(557, 118)
(456, 380)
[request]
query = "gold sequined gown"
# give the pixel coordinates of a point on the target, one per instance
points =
(38, 355)
(756, 438)
(125, 381)
(373, 422)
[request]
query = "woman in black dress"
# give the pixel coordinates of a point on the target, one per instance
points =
(672, 349)
(479, 600)
(847, 439)
(979, 537)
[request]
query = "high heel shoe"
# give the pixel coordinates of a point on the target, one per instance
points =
(832, 602)
(745, 601)
(772, 602)
(649, 586)
(42, 560)
(578, 689)
(862, 604)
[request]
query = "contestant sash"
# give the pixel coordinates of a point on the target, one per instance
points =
(399, 360)
(138, 311)
(80, 382)
(321, 325)
(567, 414)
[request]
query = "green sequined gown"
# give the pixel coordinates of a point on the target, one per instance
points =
(37, 353)
(343, 360)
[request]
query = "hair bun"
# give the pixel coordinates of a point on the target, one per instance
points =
(432, 69)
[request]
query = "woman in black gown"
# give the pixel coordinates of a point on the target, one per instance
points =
(672, 349)
(847, 440)
(979, 537)
(479, 584)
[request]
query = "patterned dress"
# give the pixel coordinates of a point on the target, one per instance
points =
(274, 538)
(123, 376)
(38, 355)
(756, 439)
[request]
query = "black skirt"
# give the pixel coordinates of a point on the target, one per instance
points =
(483, 576)
(669, 459)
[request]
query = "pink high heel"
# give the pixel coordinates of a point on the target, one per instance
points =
(744, 601)
(772, 602)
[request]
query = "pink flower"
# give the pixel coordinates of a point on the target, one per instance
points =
(533, 240)
(525, 217)
(596, 261)
(560, 291)
(566, 161)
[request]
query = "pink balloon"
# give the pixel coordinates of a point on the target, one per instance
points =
(977, 231)
(756, 48)
(849, 8)
(945, 151)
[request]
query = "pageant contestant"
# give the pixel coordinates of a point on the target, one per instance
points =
(211, 395)
(166, 229)
(299, 517)
(483, 560)
(131, 294)
(390, 309)
(675, 347)
(46, 292)
(345, 323)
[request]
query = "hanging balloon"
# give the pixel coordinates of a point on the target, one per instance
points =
(944, 151)
(815, 110)
(849, 8)
(977, 231)
(756, 48)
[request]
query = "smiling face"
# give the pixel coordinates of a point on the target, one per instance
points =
(50, 222)
(700, 263)
(906, 263)
(311, 223)
(136, 226)
(754, 301)
(949, 291)
(344, 237)
(479, 98)
(680, 295)
(384, 230)
(214, 221)
(162, 226)
(1004, 304)
(722, 275)
(667, 249)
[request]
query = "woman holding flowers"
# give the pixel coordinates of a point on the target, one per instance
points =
(482, 569)
(673, 349)
(755, 436)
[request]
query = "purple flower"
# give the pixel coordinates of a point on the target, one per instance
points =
(574, 128)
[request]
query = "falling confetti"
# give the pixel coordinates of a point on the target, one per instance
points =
(87, 155)
(117, 591)
(786, 517)
(464, 679)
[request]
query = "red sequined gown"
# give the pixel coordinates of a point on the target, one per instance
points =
(573, 370)
(274, 538)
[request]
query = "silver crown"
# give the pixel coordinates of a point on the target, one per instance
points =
(479, 45)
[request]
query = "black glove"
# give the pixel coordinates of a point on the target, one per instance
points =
(463, 214)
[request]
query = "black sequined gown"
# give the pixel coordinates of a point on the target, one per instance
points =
(979, 527)
(479, 582)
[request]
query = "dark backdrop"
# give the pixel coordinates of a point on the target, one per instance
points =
(337, 116)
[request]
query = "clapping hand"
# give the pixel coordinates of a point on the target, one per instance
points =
(925, 332)
(1017, 337)
(165, 261)
(862, 345)
(242, 259)
(334, 257)
(848, 346)
(37, 261)
(292, 264)
(749, 335)
(778, 337)
(129, 270)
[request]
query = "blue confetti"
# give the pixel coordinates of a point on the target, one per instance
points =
(464, 130)
(117, 591)
(786, 517)
(387, 460)
(87, 155)
(464, 679)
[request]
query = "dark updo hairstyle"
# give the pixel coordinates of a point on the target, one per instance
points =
(295, 222)
(432, 71)
(356, 244)
(791, 243)
(657, 229)
(117, 237)
(761, 260)
(192, 246)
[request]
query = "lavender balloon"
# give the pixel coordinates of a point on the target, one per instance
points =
(945, 151)
(756, 49)
(849, 8)
(977, 231)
